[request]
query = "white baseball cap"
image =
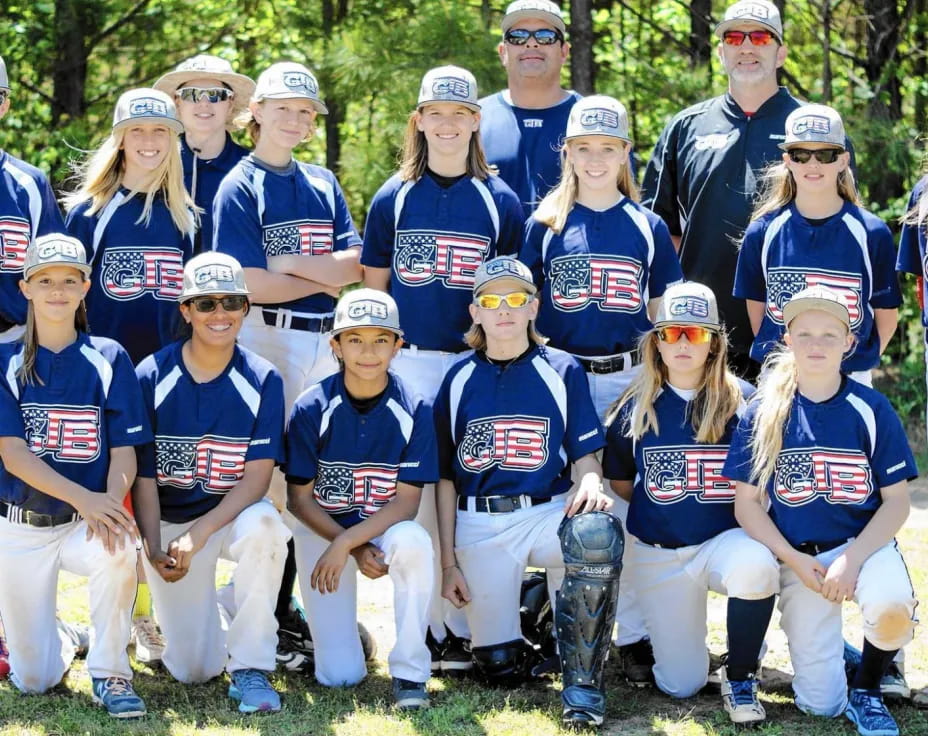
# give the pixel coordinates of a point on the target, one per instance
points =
(503, 267)
(289, 80)
(814, 124)
(819, 298)
(366, 308)
(213, 273)
(761, 12)
(598, 115)
(4, 79)
(205, 66)
(449, 84)
(539, 9)
(146, 105)
(688, 303)
(55, 249)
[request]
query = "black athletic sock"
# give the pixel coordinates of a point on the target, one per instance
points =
(287, 582)
(873, 665)
(747, 627)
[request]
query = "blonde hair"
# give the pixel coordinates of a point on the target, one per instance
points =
(100, 177)
(776, 390)
(778, 189)
(557, 204)
(27, 373)
(476, 338)
(717, 398)
(918, 214)
(245, 120)
(414, 158)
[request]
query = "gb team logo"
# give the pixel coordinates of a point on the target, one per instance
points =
(674, 473)
(213, 272)
(837, 476)
(513, 443)
(782, 283)
(216, 462)
(689, 306)
(14, 239)
(299, 237)
(612, 283)
(368, 307)
(67, 433)
(599, 117)
(301, 82)
(422, 256)
(451, 86)
(342, 488)
(128, 273)
(149, 107)
(811, 124)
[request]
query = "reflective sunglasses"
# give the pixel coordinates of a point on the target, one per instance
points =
(230, 303)
(542, 36)
(212, 94)
(515, 300)
(3, 95)
(822, 155)
(758, 38)
(695, 334)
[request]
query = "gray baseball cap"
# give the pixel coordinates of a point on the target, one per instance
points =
(598, 115)
(449, 84)
(503, 267)
(205, 66)
(819, 298)
(4, 79)
(814, 124)
(289, 80)
(539, 9)
(213, 273)
(366, 308)
(146, 105)
(55, 249)
(688, 303)
(761, 12)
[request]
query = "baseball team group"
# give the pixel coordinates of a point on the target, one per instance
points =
(649, 393)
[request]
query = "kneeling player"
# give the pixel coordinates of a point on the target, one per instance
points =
(511, 419)
(359, 450)
(217, 412)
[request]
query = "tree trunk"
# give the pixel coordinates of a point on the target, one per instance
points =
(582, 70)
(73, 25)
(921, 65)
(334, 12)
(700, 32)
(826, 52)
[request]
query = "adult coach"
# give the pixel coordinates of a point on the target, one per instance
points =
(522, 125)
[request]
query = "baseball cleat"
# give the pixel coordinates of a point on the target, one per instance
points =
(253, 692)
(117, 696)
(893, 685)
(436, 649)
(579, 720)
(740, 700)
(4, 659)
(637, 660)
(409, 695)
(456, 657)
(147, 639)
(866, 710)
(294, 640)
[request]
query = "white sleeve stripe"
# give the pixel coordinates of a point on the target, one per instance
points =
(32, 192)
(399, 202)
(15, 362)
(257, 181)
(402, 416)
(323, 186)
(103, 218)
(327, 415)
(641, 222)
(545, 242)
(342, 236)
(457, 389)
(166, 385)
(249, 394)
(484, 191)
(104, 369)
(859, 234)
(772, 230)
(555, 385)
(866, 413)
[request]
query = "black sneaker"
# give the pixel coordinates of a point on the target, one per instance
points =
(637, 660)
(294, 641)
(436, 650)
(456, 657)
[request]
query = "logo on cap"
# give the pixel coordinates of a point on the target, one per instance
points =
(300, 79)
(599, 117)
(503, 265)
(811, 123)
(58, 247)
(694, 305)
(148, 107)
(212, 272)
(451, 86)
(756, 11)
(366, 307)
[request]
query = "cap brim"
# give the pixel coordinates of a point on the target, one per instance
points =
(795, 144)
(176, 125)
(797, 306)
(510, 19)
(339, 330)
(726, 25)
(317, 105)
(473, 106)
(242, 86)
(590, 133)
(84, 268)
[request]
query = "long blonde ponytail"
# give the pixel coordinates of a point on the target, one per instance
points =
(776, 391)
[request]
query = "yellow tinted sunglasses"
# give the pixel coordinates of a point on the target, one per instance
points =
(515, 300)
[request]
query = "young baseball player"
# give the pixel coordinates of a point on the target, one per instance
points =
(666, 442)
(513, 419)
(136, 222)
(217, 414)
(360, 447)
(830, 458)
(208, 96)
(70, 413)
(809, 228)
(429, 228)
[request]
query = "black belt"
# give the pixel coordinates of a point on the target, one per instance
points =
(306, 324)
(19, 515)
(661, 545)
(501, 504)
(816, 548)
(610, 365)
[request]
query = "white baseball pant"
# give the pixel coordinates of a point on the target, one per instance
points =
(333, 617)
(30, 559)
(813, 625)
(672, 588)
(197, 646)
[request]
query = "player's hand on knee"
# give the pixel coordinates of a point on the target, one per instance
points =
(840, 580)
(329, 567)
(587, 497)
(454, 586)
(810, 571)
(183, 548)
(369, 559)
(106, 518)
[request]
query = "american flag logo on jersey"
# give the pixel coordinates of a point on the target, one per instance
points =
(836, 475)
(299, 238)
(783, 283)
(216, 462)
(422, 256)
(128, 273)
(343, 488)
(677, 472)
(612, 283)
(67, 433)
(14, 239)
(511, 442)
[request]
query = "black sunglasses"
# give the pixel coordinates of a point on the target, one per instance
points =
(230, 303)
(542, 36)
(822, 155)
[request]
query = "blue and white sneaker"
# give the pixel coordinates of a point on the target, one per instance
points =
(865, 709)
(740, 700)
(254, 693)
(117, 696)
(892, 685)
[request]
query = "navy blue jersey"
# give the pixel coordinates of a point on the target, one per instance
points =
(204, 185)
(524, 144)
(260, 213)
(597, 275)
(837, 455)
(206, 432)
(515, 429)
(356, 459)
(138, 271)
(912, 250)
(27, 210)
(433, 240)
(89, 402)
(680, 496)
(852, 253)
